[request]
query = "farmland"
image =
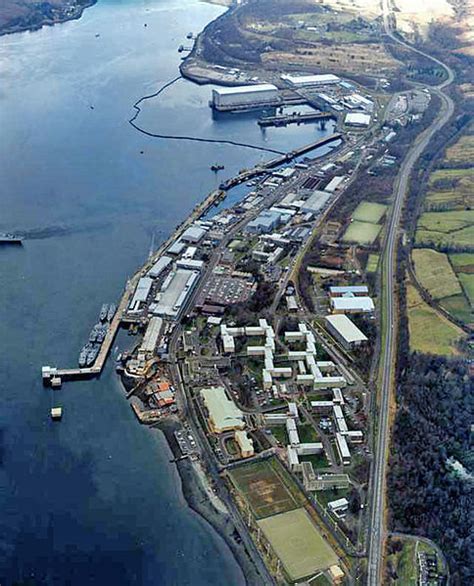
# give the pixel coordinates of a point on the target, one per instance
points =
(429, 331)
(263, 487)
(446, 230)
(298, 543)
(435, 274)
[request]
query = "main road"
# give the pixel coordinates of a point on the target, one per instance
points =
(377, 512)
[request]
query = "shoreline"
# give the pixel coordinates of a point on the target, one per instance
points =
(23, 28)
(197, 499)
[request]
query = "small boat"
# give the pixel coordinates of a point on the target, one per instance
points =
(189, 36)
(83, 355)
(9, 238)
(217, 167)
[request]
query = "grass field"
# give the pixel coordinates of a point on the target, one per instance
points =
(263, 487)
(369, 212)
(435, 274)
(430, 332)
(298, 543)
(462, 151)
(446, 222)
(372, 263)
(362, 232)
(467, 282)
(464, 238)
(462, 262)
(459, 308)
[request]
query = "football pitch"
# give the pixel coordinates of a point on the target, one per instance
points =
(298, 543)
(263, 487)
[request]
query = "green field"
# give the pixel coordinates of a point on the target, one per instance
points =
(467, 282)
(361, 232)
(298, 543)
(446, 222)
(264, 488)
(463, 238)
(372, 263)
(429, 331)
(369, 212)
(459, 308)
(434, 272)
(462, 262)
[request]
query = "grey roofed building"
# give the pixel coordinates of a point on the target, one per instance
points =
(316, 202)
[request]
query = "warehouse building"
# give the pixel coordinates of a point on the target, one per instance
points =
(224, 415)
(316, 202)
(345, 331)
(174, 293)
(352, 304)
(244, 97)
(311, 80)
(141, 293)
(193, 234)
(152, 334)
(357, 119)
(160, 265)
(362, 290)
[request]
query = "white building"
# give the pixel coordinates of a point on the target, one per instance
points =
(357, 119)
(351, 304)
(345, 331)
(246, 96)
(311, 80)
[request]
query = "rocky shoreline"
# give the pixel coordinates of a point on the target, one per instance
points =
(42, 15)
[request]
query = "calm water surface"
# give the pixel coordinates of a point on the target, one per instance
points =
(94, 499)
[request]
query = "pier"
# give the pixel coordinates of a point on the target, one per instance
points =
(50, 373)
(295, 118)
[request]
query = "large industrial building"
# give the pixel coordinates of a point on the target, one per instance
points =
(174, 292)
(357, 119)
(352, 304)
(141, 293)
(246, 96)
(311, 80)
(224, 415)
(345, 331)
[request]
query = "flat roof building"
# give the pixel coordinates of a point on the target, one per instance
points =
(141, 293)
(152, 334)
(352, 304)
(343, 449)
(193, 234)
(245, 444)
(224, 415)
(357, 119)
(316, 202)
(174, 292)
(310, 80)
(361, 290)
(345, 331)
(160, 265)
(245, 96)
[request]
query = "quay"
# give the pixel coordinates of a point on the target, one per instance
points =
(295, 118)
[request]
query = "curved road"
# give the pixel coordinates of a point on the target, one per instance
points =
(377, 513)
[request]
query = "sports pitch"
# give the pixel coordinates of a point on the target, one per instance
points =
(369, 212)
(298, 543)
(362, 232)
(262, 486)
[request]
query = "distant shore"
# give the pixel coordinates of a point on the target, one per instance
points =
(36, 20)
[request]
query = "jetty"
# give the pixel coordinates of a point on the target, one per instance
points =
(295, 118)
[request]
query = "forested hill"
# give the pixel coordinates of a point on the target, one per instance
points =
(431, 478)
(21, 15)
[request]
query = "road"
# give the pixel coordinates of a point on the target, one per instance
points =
(377, 512)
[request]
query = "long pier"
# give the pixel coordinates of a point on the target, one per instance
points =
(51, 373)
(296, 118)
